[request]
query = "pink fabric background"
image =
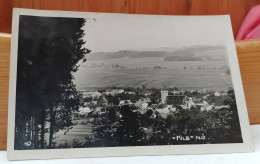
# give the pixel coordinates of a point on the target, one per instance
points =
(250, 28)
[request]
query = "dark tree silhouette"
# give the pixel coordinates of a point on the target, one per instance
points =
(126, 131)
(129, 132)
(111, 115)
(49, 49)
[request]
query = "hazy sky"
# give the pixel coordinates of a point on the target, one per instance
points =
(141, 32)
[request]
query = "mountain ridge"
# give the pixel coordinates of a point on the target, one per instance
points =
(191, 53)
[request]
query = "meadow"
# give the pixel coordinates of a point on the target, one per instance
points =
(153, 72)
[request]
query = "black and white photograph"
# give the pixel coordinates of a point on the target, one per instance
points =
(95, 81)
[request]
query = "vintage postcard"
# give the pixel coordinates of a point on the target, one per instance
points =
(98, 84)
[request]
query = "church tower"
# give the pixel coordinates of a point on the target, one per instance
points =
(164, 94)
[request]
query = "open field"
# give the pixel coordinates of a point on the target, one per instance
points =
(79, 131)
(134, 72)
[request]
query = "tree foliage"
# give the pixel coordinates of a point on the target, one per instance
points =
(49, 50)
(213, 126)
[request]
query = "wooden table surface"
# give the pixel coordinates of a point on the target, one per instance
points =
(237, 9)
(4, 80)
(249, 61)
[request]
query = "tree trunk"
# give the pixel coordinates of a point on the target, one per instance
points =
(52, 122)
(36, 144)
(32, 132)
(20, 133)
(42, 119)
(30, 139)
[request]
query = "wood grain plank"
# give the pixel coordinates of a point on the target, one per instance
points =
(236, 8)
(249, 61)
(5, 42)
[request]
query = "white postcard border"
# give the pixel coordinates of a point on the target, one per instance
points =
(246, 146)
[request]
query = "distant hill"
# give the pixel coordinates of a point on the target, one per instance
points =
(192, 53)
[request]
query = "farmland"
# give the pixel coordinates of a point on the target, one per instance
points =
(152, 72)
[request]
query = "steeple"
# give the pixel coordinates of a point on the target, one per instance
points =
(164, 94)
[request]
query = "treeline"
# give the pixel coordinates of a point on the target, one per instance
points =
(49, 50)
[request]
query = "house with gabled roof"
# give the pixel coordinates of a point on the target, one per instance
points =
(176, 100)
(125, 102)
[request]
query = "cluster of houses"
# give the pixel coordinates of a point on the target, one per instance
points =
(170, 101)
(96, 94)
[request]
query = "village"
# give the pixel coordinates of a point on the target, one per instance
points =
(151, 112)
(161, 102)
